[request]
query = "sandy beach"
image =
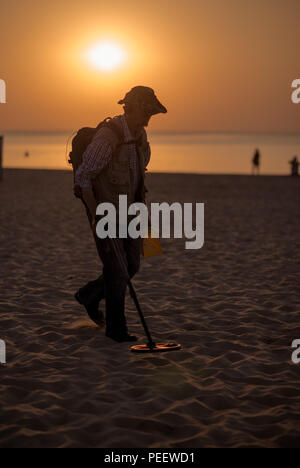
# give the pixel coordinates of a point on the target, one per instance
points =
(233, 305)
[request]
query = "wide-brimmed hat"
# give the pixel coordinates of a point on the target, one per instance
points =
(145, 95)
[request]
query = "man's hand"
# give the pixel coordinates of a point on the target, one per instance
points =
(77, 191)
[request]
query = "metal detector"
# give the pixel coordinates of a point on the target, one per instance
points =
(151, 346)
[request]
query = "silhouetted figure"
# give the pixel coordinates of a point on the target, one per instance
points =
(114, 163)
(256, 162)
(294, 166)
(26, 154)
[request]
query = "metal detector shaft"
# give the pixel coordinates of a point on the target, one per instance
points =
(151, 343)
(116, 249)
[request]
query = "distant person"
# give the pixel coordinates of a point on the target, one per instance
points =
(112, 166)
(294, 166)
(256, 162)
(26, 154)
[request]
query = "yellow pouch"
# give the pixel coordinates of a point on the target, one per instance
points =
(151, 246)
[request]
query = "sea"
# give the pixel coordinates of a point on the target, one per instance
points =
(202, 153)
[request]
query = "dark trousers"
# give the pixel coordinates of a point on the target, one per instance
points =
(112, 284)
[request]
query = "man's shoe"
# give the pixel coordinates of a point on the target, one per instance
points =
(93, 311)
(121, 337)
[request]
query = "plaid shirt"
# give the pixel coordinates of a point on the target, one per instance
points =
(98, 154)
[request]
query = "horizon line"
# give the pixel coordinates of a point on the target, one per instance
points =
(163, 132)
(69, 170)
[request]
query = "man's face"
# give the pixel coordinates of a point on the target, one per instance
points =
(142, 113)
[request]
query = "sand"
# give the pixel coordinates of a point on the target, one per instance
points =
(233, 305)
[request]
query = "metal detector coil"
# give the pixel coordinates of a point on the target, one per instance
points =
(157, 348)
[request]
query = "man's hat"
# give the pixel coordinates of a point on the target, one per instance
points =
(147, 97)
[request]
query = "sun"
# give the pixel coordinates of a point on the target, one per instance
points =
(106, 56)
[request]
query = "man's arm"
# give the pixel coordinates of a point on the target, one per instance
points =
(95, 158)
(148, 155)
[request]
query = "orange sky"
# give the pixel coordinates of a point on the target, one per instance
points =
(217, 65)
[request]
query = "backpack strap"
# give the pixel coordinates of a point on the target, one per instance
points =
(108, 122)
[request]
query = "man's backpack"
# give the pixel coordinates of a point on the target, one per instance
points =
(83, 138)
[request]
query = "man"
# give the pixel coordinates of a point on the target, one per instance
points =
(294, 166)
(256, 162)
(108, 170)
